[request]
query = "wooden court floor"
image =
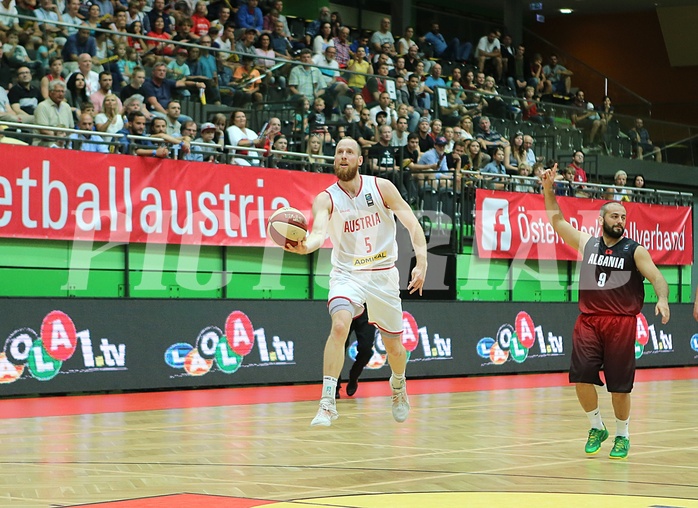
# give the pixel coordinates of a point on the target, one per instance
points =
(490, 442)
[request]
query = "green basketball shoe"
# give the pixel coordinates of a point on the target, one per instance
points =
(621, 446)
(596, 437)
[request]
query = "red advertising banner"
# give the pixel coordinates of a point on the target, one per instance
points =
(68, 195)
(513, 225)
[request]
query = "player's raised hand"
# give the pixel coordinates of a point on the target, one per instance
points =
(548, 177)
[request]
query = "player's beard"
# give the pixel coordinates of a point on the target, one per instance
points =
(616, 232)
(346, 174)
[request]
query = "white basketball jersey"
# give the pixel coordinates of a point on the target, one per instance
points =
(362, 229)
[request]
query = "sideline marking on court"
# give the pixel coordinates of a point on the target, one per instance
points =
(412, 500)
(221, 397)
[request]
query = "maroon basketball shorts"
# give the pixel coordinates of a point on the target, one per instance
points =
(604, 342)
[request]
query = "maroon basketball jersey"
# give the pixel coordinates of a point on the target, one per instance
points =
(609, 281)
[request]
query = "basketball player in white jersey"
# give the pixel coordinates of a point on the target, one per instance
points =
(358, 212)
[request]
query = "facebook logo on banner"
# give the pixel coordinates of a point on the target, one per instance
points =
(496, 226)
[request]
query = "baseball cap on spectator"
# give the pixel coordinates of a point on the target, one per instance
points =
(208, 126)
(182, 51)
(440, 141)
(424, 119)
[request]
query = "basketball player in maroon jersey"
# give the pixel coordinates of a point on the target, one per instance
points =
(611, 294)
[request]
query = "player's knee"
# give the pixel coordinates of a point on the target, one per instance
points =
(339, 331)
(392, 342)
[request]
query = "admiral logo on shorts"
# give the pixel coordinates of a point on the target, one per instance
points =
(496, 226)
(370, 259)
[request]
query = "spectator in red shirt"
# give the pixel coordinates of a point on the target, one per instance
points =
(201, 23)
(577, 160)
(160, 48)
(529, 108)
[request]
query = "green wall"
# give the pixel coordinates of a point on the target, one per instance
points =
(41, 268)
(499, 280)
(65, 269)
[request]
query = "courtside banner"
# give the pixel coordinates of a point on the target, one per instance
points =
(514, 225)
(69, 195)
(70, 345)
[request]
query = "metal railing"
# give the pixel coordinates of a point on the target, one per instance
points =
(223, 154)
(443, 201)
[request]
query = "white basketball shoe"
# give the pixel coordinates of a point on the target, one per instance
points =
(326, 414)
(401, 404)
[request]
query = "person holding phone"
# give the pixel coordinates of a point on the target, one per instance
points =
(268, 134)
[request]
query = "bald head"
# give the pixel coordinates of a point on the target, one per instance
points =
(611, 207)
(86, 122)
(350, 144)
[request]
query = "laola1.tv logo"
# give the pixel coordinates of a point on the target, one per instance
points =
(228, 349)
(43, 355)
(518, 342)
(412, 336)
(648, 341)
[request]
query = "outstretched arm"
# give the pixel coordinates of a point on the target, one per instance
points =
(404, 213)
(572, 237)
(649, 270)
(322, 206)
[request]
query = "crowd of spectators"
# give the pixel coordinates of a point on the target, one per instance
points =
(390, 93)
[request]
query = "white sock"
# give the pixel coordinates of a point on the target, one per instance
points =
(329, 387)
(595, 419)
(397, 379)
(622, 427)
